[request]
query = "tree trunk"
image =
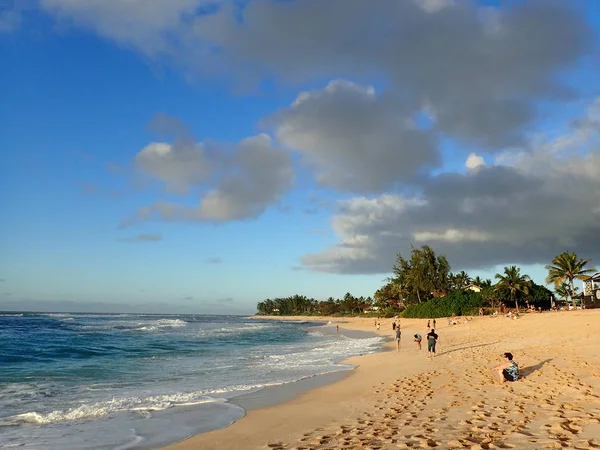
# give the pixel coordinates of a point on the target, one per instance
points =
(418, 296)
(572, 291)
(516, 301)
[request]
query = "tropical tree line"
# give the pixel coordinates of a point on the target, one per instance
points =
(424, 277)
(299, 305)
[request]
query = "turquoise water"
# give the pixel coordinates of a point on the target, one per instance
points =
(72, 381)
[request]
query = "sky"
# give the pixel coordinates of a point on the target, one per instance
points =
(199, 156)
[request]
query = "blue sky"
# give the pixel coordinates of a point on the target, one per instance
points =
(360, 144)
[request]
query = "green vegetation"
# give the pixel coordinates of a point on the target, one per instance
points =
(299, 305)
(459, 303)
(424, 286)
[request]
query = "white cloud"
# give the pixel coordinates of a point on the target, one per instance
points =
(179, 167)
(243, 182)
(474, 161)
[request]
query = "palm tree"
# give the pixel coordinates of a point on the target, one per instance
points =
(562, 290)
(565, 268)
(462, 279)
(477, 281)
(514, 282)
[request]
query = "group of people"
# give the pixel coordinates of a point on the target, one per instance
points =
(432, 337)
(507, 371)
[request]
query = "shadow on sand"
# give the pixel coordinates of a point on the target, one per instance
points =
(528, 370)
(466, 348)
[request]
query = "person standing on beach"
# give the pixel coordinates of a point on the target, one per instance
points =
(432, 340)
(394, 326)
(418, 339)
(428, 325)
(378, 325)
(434, 324)
(398, 335)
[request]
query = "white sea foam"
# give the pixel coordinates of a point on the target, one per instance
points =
(146, 325)
(101, 409)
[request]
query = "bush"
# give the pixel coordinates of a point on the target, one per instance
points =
(460, 303)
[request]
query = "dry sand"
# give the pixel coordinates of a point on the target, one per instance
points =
(407, 401)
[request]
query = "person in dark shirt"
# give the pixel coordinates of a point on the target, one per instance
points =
(432, 339)
(508, 370)
(398, 336)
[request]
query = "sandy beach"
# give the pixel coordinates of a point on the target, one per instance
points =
(405, 400)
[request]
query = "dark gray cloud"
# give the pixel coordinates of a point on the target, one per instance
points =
(525, 208)
(478, 71)
(354, 139)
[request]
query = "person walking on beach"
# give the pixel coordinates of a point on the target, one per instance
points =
(432, 339)
(378, 325)
(394, 325)
(434, 324)
(508, 370)
(428, 325)
(418, 339)
(398, 336)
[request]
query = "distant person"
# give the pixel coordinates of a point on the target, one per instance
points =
(378, 325)
(434, 324)
(428, 325)
(337, 328)
(398, 339)
(393, 325)
(508, 370)
(432, 340)
(418, 339)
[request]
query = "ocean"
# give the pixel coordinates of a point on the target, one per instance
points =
(120, 381)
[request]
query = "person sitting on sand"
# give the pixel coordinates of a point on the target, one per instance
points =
(432, 339)
(418, 339)
(398, 339)
(508, 370)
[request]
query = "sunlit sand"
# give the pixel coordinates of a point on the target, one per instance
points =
(407, 401)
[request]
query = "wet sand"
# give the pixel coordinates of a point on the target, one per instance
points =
(407, 400)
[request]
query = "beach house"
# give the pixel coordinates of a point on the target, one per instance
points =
(591, 291)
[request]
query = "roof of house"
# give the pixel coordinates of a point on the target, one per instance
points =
(595, 277)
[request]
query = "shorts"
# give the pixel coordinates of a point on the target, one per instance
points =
(431, 346)
(507, 376)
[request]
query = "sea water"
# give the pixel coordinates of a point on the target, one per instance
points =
(118, 381)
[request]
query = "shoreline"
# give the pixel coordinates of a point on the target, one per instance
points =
(281, 393)
(275, 395)
(406, 400)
